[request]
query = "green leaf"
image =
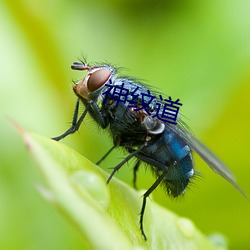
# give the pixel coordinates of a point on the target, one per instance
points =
(107, 215)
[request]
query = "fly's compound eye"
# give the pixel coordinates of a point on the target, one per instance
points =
(97, 79)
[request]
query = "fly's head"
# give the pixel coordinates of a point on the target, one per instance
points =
(94, 80)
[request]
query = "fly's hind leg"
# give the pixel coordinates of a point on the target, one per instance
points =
(145, 196)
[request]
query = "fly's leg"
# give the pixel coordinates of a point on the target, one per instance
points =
(136, 167)
(100, 117)
(145, 196)
(75, 124)
(90, 107)
(105, 155)
(116, 168)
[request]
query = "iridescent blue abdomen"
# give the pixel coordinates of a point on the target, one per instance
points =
(170, 154)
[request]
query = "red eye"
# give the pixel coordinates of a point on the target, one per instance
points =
(97, 79)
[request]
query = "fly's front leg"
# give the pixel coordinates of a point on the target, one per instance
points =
(75, 123)
(97, 114)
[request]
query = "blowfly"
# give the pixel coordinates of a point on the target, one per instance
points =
(126, 108)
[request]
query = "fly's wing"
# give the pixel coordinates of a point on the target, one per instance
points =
(207, 155)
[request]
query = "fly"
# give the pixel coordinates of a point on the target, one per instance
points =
(165, 147)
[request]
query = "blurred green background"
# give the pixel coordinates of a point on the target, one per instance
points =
(197, 51)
